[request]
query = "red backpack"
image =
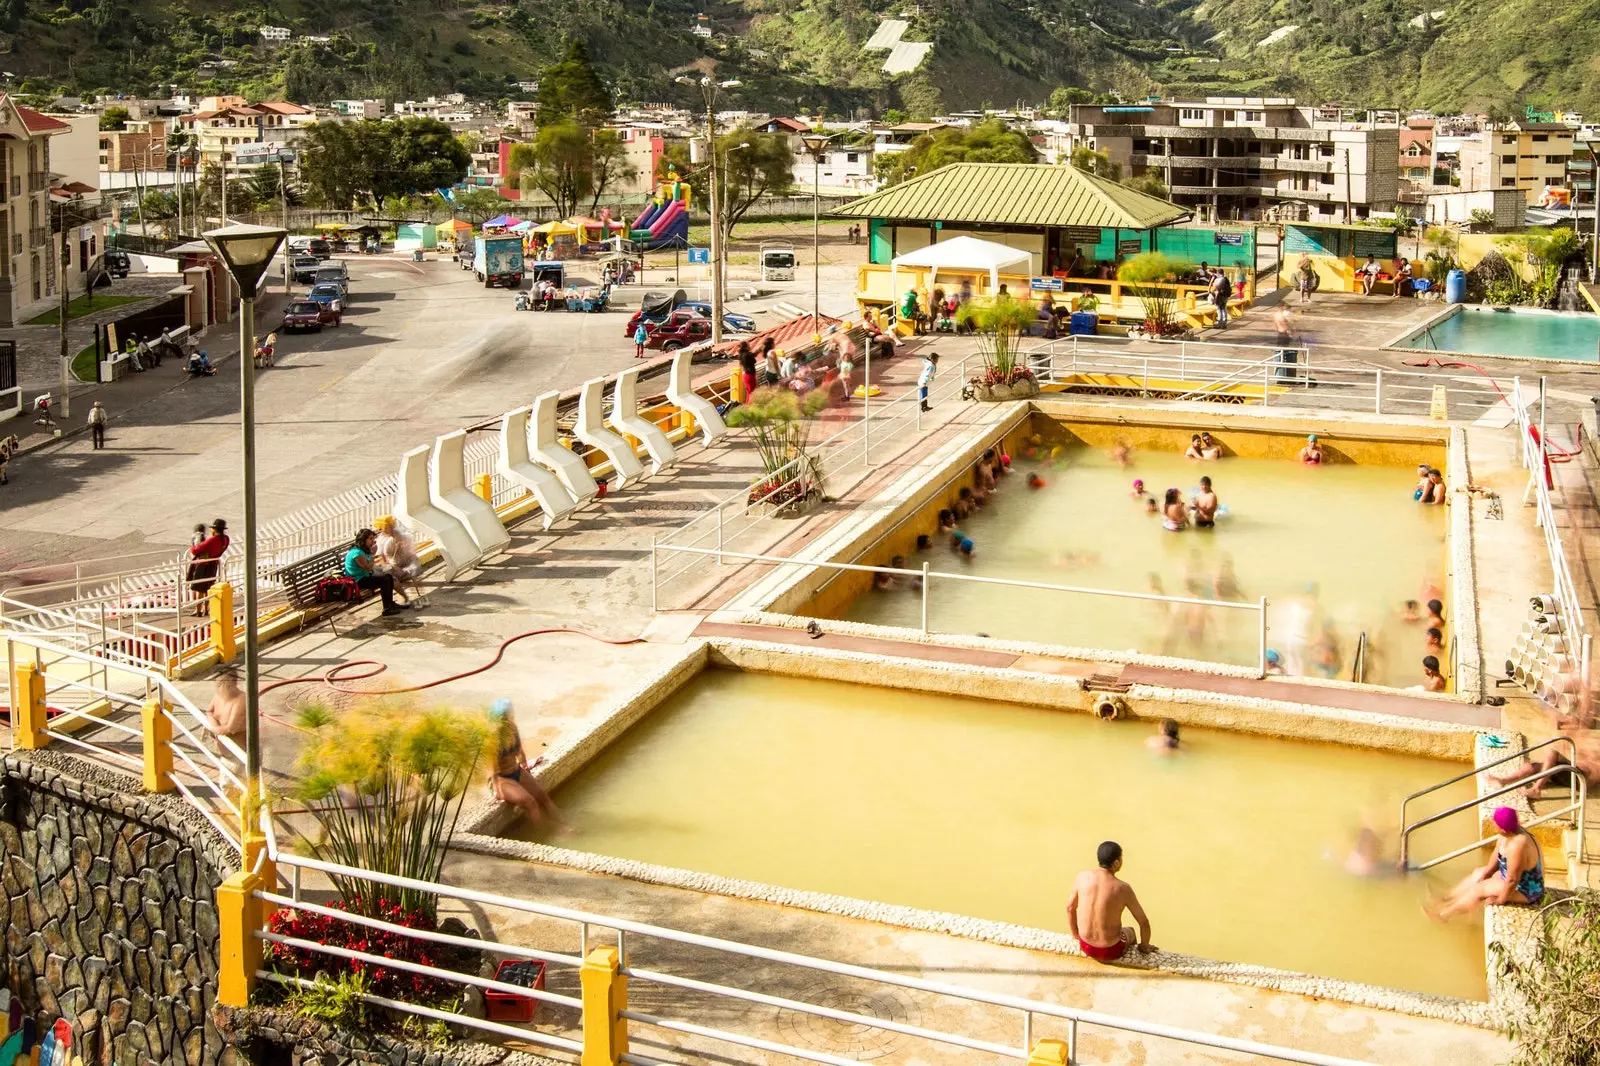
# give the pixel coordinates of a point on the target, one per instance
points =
(338, 589)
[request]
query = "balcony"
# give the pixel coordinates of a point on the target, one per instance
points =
(1231, 133)
(1266, 192)
(38, 181)
(36, 236)
(1266, 163)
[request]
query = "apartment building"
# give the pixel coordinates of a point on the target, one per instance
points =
(28, 267)
(140, 145)
(1518, 155)
(358, 108)
(841, 167)
(222, 123)
(1580, 168)
(1252, 157)
(1416, 151)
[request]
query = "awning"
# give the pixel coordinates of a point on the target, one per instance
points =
(503, 221)
(967, 254)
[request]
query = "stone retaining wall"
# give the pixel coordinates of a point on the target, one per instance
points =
(267, 1035)
(113, 922)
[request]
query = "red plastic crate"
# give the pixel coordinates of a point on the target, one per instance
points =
(507, 1006)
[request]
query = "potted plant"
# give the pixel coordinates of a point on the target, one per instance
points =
(1153, 277)
(999, 323)
(780, 424)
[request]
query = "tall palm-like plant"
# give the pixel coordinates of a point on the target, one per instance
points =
(780, 424)
(385, 783)
(1153, 277)
(999, 322)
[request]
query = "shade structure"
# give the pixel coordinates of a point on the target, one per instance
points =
(967, 254)
(502, 222)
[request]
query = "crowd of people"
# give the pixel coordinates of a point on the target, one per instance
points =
(832, 367)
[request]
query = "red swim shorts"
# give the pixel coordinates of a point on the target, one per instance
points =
(1115, 951)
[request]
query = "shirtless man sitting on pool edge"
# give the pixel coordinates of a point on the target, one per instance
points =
(1094, 913)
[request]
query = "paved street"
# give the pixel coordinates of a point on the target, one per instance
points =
(424, 349)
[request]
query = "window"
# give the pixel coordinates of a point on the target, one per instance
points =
(1508, 140)
(1508, 160)
(1541, 136)
(1192, 114)
(1325, 179)
(1507, 181)
(1325, 151)
(852, 157)
(1556, 160)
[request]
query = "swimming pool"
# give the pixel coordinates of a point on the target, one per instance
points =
(1522, 333)
(988, 809)
(1305, 538)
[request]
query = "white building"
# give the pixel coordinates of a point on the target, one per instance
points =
(358, 108)
(275, 33)
(841, 167)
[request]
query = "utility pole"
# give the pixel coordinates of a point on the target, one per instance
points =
(716, 224)
(283, 194)
(1349, 216)
(66, 303)
(815, 143)
(227, 278)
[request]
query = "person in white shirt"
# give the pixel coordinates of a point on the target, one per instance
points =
(97, 425)
(930, 367)
(397, 555)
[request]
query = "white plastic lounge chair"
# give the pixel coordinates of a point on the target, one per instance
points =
(626, 419)
(514, 465)
(413, 507)
(681, 392)
(447, 487)
(548, 452)
(593, 432)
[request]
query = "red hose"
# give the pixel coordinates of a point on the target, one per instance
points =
(333, 675)
(1552, 454)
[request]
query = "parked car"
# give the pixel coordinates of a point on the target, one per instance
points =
(681, 329)
(304, 268)
(656, 307)
(732, 323)
(331, 297)
(308, 314)
(118, 264)
(316, 246)
(333, 275)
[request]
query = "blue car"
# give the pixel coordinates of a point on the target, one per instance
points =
(733, 323)
(329, 296)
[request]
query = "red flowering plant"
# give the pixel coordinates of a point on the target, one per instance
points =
(391, 983)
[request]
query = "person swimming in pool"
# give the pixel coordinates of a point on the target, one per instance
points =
(1209, 448)
(1094, 911)
(1138, 488)
(1411, 612)
(1311, 454)
(1436, 494)
(1274, 663)
(1150, 506)
(1422, 482)
(947, 520)
(966, 547)
(1435, 617)
(964, 504)
(1122, 452)
(1035, 481)
(1175, 516)
(1194, 447)
(1166, 738)
(1205, 504)
(924, 542)
(1225, 586)
(1432, 679)
(1514, 875)
(1433, 640)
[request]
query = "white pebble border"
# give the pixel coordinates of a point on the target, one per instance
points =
(1249, 715)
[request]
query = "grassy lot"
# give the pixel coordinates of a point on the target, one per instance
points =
(80, 307)
(83, 364)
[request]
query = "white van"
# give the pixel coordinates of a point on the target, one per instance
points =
(777, 262)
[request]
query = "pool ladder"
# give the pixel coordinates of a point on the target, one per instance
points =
(1358, 665)
(1578, 792)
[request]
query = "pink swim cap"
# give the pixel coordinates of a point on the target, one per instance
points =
(1138, 483)
(1505, 819)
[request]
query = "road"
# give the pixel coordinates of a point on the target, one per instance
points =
(424, 349)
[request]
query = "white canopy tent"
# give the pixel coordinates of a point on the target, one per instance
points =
(968, 254)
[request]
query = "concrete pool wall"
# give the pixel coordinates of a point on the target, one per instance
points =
(1265, 717)
(910, 506)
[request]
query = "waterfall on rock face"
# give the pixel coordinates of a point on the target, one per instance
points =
(1567, 290)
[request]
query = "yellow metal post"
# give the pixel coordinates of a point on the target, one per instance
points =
(254, 858)
(605, 994)
(221, 607)
(736, 384)
(29, 715)
(239, 916)
(483, 486)
(1050, 1053)
(157, 747)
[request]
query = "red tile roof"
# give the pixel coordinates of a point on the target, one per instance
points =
(795, 333)
(38, 123)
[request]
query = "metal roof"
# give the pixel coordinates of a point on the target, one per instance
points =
(1016, 194)
(887, 35)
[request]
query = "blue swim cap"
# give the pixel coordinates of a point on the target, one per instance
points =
(966, 544)
(1272, 655)
(500, 708)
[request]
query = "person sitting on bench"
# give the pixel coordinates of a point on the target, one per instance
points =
(358, 567)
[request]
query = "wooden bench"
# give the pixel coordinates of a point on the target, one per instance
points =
(299, 581)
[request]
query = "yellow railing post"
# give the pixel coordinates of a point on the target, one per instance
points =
(239, 916)
(605, 994)
(157, 747)
(736, 384)
(29, 717)
(1050, 1053)
(253, 850)
(221, 607)
(483, 487)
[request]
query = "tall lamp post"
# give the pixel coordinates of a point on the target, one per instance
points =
(247, 252)
(815, 143)
(709, 88)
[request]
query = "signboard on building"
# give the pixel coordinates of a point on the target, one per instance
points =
(1046, 284)
(1082, 234)
(1130, 247)
(699, 255)
(1234, 239)
(262, 152)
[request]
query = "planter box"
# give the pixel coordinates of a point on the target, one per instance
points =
(1021, 390)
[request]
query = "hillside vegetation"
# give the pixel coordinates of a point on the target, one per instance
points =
(797, 55)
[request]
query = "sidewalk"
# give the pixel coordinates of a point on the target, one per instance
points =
(221, 342)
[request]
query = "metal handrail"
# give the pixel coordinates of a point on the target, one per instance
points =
(1358, 663)
(1476, 770)
(1580, 798)
(1235, 378)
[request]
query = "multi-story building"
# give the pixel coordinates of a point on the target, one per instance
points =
(28, 268)
(358, 108)
(140, 145)
(1529, 156)
(645, 145)
(223, 123)
(841, 167)
(1251, 157)
(1581, 167)
(1416, 151)
(78, 215)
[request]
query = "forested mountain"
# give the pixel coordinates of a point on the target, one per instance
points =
(805, 54)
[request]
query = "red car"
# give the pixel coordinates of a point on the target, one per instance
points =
(681, 329)
(308, 314)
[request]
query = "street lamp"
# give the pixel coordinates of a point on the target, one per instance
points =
(247, 251)
(709, 88)
(815, 143)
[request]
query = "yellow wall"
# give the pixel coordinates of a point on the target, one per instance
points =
(1337, 446)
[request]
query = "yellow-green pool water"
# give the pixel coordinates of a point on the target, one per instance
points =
(1336, 549)
(1235, 845)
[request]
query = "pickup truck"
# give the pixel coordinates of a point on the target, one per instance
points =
(679, 330)
(304, 268)
(498, 261)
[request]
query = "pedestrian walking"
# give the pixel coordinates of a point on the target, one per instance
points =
(97, 425)
(1221, 289)
(930, 367)
(640, 335)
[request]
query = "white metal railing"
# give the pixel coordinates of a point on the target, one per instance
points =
(1535, 457)
(96, 705)
(731, 957)
(926, 576)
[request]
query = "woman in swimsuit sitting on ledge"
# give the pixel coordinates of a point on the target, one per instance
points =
(1514, 875)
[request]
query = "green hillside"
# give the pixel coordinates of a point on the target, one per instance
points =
(806, 54)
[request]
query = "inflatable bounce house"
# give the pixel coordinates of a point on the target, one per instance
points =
(665, 223)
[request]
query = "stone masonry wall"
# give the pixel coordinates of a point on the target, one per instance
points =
(112, 914)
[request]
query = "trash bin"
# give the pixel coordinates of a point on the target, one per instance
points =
(1083, 323)
(1455, 287)
(416, 255)
(1287, 360)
